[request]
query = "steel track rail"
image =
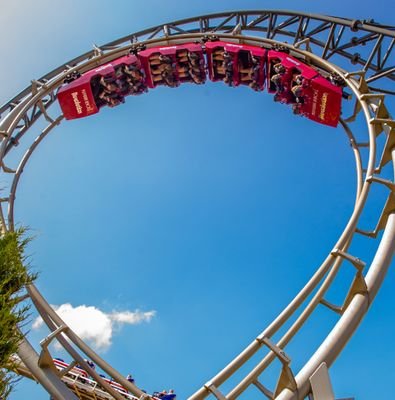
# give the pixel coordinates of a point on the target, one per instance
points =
(321, 38)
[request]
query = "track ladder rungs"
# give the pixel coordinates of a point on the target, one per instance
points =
(45, 359)
(213, 389)
(389, 184)
(357, 262)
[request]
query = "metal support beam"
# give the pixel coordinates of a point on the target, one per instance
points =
(321, 385)
(47, 377)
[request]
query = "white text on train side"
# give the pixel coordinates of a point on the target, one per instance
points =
(238, 46)
(103, 67)
(86, 101)
(315, 98)
(77, 103)
(324, 100)
(293, 61)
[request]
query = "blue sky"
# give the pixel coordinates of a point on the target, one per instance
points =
(208, 206)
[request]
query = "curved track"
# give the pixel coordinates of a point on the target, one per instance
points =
(361, 53)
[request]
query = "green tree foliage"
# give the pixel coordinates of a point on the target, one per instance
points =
(14, 276)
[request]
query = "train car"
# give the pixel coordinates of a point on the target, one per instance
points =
(164, 396)
(106, 85)
(236, 64)
(117, 386)
(296, 83)
(320, 101)
(172, 65)
(282, 72)
(78, 372)
(289, 79)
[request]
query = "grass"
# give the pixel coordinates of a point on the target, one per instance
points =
(14, 276)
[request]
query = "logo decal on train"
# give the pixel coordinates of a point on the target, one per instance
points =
(77, 103)
(324, 100)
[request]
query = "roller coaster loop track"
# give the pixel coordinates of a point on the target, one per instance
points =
(362, 53)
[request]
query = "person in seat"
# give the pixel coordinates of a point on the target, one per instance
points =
(182, 56)
(165, 71)
(111, 99)
(228, 68)
(169, 396)
(278, 68)
(154, 59)
(120, 80)
(296, 109)
(165, 395)
(277, 80)
(109, 94)
(133, 72)
(108, 83)
(218, 54)
(218, 61)
(168, 77)
(136, 86)
(297, 91)
(194, 59)
(277, 98)
(165, 60)
(195, 67)
(135, 79)
(298, 79)
(277, 73)
(254, 73)
(196, 77)
(284, 97)
(91, 364)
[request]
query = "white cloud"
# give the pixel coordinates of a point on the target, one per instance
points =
(96, 326)
(128, 317)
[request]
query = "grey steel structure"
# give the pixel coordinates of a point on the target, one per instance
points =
(362, 52)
